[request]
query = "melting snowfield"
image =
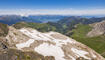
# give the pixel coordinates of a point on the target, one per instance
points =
(25, 44)
(48, 49)
(45, 48)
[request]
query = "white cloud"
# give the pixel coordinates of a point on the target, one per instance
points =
(52, 12)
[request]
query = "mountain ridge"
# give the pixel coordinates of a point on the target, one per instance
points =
(67, 48)
(98, 29)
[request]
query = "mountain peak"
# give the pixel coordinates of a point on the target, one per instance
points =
(98, 29)
(53, 44)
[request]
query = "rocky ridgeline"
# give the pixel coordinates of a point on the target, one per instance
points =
(98, 29)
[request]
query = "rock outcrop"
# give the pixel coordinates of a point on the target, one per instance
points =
(51, 45)
(98, 29)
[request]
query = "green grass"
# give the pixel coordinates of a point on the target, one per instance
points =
(81, 30)
(3, 29)
(96, 43)
(42, 27)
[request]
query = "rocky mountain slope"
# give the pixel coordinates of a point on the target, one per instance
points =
(47, 46)
(98, 29)
(97, 43)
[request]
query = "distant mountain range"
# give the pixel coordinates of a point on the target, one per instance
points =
(12, 19)
(47, 18)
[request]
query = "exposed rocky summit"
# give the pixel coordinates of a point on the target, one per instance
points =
(98, 29)
(52, 45)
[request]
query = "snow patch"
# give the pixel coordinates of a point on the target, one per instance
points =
(80, 53)
(25, 44)
(94, 56)
(50, 50)
(72, 57)
(34, 34)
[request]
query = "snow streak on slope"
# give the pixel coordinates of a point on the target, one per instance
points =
(25, 44)
(34, 34)
(80, 53)
(72, 57)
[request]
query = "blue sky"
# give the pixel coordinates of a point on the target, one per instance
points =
(52, 4)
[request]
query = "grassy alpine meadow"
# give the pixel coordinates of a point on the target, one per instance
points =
(97, 43)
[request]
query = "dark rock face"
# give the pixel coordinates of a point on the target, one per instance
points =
(98, 29)
(80, 58)
(3, 44)
(3, 49)
(49, 58)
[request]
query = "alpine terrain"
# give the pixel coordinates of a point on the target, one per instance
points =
(98, 29)
(29, 44)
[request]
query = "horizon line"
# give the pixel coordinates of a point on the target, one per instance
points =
(26, 12)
